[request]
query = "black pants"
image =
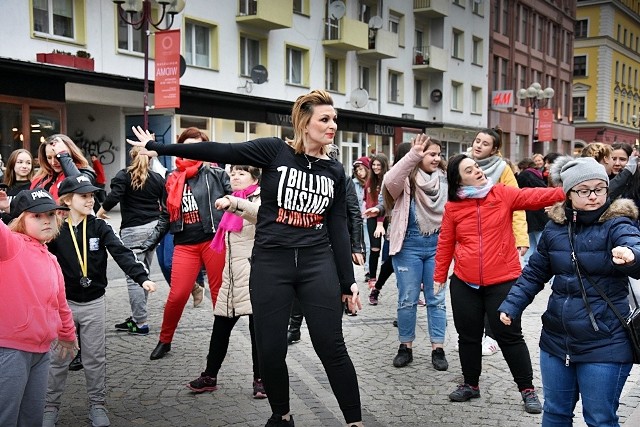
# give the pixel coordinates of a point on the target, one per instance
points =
(277, 275)
(374, 243)
(219, 343)
(469, 308)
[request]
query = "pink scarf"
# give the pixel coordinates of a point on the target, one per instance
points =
(229, 221)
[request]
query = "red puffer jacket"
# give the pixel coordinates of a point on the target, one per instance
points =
(478, 235)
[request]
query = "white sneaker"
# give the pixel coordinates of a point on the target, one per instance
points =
(50, 417)
(489, 346)
(98, 416)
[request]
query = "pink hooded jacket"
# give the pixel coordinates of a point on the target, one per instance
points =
(34, 305)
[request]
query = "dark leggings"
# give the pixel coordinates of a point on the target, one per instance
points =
(219, 343)
(277, 276)
(469, 308)
(386, 269)
(374, 243)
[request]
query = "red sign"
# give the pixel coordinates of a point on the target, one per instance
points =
(502, 99)
(545, 124)
(167, 83)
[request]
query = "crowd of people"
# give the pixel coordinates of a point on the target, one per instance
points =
(279, 234)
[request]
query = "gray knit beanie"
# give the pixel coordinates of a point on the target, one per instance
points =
(570, 171)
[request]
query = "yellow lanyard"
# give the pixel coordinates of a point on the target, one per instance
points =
(81, 260)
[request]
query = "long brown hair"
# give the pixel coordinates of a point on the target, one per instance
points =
(138, 169)
(10, 173)
(374, 183)
(301, 115)
(76, 155)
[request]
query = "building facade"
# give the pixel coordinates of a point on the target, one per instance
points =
(531, 42)
(606, 90)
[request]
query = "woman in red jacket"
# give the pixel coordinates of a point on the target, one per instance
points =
(477, 232)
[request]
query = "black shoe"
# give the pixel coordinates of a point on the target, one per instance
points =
(76, 363)
(438, 360)
(293, 337)
(395, 323)
(531, 402)
(464, 392)
(124, 326)
(203, 383)
(404, 356)
(160, 350)
(367, 276)
(277, 421)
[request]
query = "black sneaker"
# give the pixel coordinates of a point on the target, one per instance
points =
(203, 383)
(373, 296)
(124, 326)
(531, 402)
(464, 392)
(367, 276)
(404, 356)
(438, 360)
(76, 363)
(277, 421)
(138, 330)
(293, 337)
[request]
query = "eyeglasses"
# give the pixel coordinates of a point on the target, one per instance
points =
(600, 191)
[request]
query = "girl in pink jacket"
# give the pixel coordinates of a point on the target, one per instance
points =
(35, 311)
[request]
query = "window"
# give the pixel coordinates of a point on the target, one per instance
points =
(504, 74)
(476, 100)
(129, 38)
(477, 7)
(249, 55)
(295, 66)
(522, 76)
(367, 80)
(301, 6)
(197, 40)
(553, 40)
(395, 87)
(456, 96)
(331, 73)
(537, 32)
(248, 7)
(580, 66)
(54, 17)
(457, 50)
(581, 28)
(578, 108)
(396, 25)
(522, 22)
(421, 88)
(477, 51)
(505, 17)
(501, 17)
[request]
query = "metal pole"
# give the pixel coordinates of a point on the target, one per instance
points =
(534, 105)
(146, 15)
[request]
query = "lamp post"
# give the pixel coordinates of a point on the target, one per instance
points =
(126, 10)
(537, 97)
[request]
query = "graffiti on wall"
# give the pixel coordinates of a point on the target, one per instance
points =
(101, 148)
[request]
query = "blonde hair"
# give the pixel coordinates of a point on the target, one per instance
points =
(18, 224)
(597, 150)
(65, 199)
(139, 168)
(76, 155)
(301, 115)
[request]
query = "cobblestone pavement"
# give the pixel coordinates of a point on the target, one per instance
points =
(142, 392)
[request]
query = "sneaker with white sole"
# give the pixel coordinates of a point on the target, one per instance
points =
(489, 346)
(50, 417)
(98, 416)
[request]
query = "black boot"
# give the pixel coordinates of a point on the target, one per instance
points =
(160, 350)
(76, 363)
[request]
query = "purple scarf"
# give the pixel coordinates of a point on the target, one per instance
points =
(229, 221)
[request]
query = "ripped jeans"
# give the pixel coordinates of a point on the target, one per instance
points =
(414, 266)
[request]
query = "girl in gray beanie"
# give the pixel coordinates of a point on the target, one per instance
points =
(581, 337)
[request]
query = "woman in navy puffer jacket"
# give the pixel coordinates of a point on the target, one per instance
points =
(584, 349)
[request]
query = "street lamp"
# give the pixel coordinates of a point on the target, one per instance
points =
(636, 123)
(127, 9)
(537, 97)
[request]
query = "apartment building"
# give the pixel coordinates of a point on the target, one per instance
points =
(531, 41)
(606, 90)
(394, 67)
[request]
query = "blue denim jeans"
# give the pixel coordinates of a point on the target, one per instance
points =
(414, 266)
(598, 385)
(534, 238)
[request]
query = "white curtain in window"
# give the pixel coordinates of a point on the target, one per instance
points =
(202, 45)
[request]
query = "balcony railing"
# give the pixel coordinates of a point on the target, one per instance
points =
(430, 59)
(431, 8)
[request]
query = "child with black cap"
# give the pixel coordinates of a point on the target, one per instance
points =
(35, 312)
(81, 249)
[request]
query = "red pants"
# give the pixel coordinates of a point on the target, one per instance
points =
(187, 260)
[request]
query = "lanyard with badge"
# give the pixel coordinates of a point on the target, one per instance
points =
(85, 282)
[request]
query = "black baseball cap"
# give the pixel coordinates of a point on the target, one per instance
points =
(79, 184)
(36, 201)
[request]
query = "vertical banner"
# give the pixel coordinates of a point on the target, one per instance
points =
(167, 81)
(545, 124)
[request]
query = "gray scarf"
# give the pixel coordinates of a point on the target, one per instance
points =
(430, 197)
(492, 167)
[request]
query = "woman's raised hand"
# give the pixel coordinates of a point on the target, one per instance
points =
(143, 136)
(420, 143)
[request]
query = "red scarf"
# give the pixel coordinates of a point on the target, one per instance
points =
(186, 169)
(229, 221)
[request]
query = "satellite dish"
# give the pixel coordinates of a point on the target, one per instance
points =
(337, 9)
(359, 98)
(259, 74)
(375, 23)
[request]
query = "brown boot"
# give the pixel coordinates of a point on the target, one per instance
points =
(198, 294)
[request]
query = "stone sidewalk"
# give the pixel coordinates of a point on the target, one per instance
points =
(142, 392)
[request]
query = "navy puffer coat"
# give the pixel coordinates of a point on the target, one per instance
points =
(567, 331)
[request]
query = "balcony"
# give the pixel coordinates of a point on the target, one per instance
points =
(429, 59)
(346, 34)
(382, 44)
(431, 8)
(266, 14)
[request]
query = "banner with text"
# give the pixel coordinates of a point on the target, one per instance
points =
(545, 124)
(167, 82)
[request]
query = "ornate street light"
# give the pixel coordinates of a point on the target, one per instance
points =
(538, 98)
(636, 123)
(127, 9)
